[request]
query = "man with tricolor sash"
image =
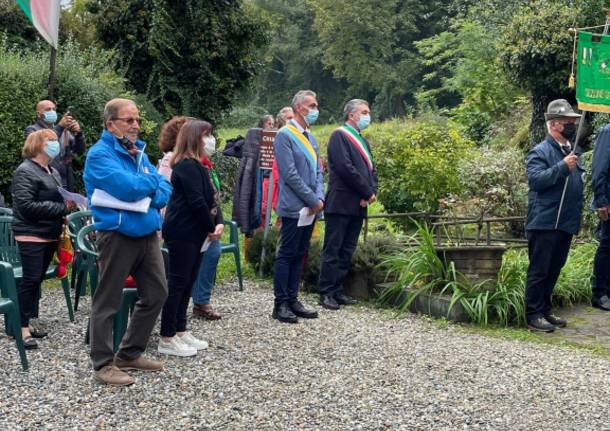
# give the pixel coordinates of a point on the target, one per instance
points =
(301, 191)
(352, 187)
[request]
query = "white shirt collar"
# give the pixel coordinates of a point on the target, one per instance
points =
(297, 125)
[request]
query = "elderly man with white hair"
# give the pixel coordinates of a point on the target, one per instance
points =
(127, 242)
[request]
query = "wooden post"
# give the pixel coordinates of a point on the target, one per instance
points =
(51, 86)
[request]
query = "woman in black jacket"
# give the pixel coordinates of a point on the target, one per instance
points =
(189, 219)
(38, 212)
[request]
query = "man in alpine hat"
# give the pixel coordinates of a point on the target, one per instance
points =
(555, 203)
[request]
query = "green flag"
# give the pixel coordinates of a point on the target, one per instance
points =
(593, 72)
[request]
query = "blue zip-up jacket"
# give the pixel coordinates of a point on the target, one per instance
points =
(547, 174)
(299, 186)
(600, 172)
(111, 168)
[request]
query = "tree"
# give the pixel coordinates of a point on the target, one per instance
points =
(536, 51)
(371, 45)
(190, 57)
(15, 25)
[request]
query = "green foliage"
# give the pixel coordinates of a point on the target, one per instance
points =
(419, 270)
(370, 45)
(536, 50)
(190, 58)
(494, 184)
(15, 26)
(417, 163)
(255, 248)
(78, 23)
(84, 82)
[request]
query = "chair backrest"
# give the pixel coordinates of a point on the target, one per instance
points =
(6, 211)
(86, 240)
(7, 282)
(233, 236)
(8, 246)
(76, 221)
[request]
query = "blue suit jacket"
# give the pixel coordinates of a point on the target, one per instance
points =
(547, 174)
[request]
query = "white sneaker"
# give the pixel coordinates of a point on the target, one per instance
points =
(176, 347)
(193, 342)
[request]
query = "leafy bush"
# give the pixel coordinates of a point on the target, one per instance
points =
(255, 248)
(417, 163)
(84, 82)
(420, 270)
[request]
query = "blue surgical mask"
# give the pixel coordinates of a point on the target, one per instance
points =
(52, 149)
(363, 122)
(50, 117)
(312, 117)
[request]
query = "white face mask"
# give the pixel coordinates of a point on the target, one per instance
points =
(209, 145)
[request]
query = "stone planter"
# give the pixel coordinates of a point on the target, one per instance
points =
(361, 285)
(476, 263)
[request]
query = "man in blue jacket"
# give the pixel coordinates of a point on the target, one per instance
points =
(600, 178)
(301, 189)
(555, 202)
(127, 243)
(352, 186)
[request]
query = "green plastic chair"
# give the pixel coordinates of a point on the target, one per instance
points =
(82, 265)
(233, 247)
(6, 211)
(86, 243)
(10, 253)
(9, 306)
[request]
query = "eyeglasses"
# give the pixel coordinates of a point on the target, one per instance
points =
(130, 120)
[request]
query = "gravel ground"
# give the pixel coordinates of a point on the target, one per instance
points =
(358, 368)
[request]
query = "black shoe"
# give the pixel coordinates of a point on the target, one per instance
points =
(602, 303)
(556, 320)
(328, 302)
(38, 333)
(540, 324)
(343, 299)
(30, 343)
(298, 309)
(283, 313)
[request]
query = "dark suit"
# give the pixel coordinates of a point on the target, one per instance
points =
(350, 180)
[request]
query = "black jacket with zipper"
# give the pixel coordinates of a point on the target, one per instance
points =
(38, 208)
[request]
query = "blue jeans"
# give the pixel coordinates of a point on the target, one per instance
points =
(294, 243)
(202, 289)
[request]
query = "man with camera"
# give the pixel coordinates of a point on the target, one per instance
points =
(71, 138)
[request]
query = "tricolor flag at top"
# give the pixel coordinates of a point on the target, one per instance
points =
(44, 14)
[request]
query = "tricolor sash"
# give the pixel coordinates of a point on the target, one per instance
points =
(301, 141)
(357, 141)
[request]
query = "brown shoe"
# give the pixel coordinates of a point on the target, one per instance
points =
(205, 311)
(111, 375)
(139, 364)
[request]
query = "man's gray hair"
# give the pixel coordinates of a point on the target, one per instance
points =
(350, 107)
(112, 108)
(299, 98)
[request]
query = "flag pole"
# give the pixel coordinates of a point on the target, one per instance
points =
(51, 86)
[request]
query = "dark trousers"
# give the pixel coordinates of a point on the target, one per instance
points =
(184, 261)
(601, 263)
(35, 260)
(118, 257)
(294, 243)
(548, 251)
(340, 241)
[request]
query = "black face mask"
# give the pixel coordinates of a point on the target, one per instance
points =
(126, 143)
(569, 131)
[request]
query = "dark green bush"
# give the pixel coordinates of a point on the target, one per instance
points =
(85, 82)
(255, 249)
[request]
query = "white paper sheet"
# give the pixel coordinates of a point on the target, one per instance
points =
(304, 218)
(78, 199)
(102, 199)
(206, 245)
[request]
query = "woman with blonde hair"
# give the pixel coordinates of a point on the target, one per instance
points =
(38, 216)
